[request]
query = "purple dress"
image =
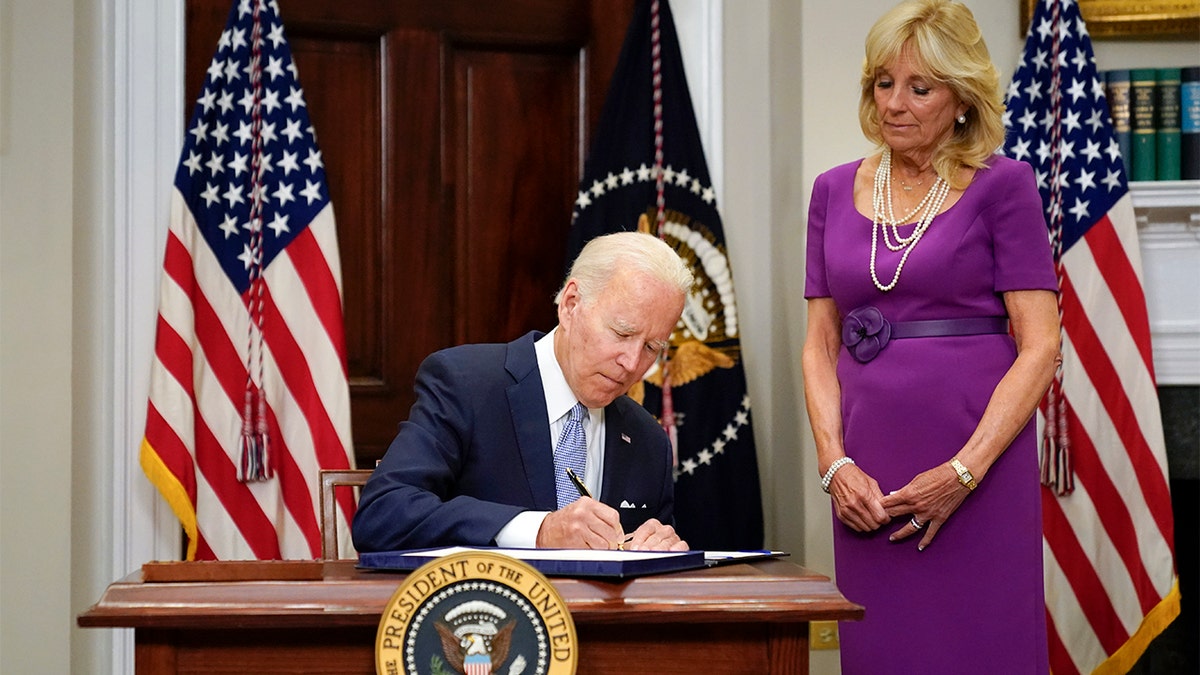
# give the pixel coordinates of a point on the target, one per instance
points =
(972, 601)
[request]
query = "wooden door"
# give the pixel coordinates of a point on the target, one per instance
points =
(453, 134)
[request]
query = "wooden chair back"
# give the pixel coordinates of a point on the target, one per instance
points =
(331, 479)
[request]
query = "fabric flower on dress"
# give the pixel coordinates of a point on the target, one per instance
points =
(865, 333)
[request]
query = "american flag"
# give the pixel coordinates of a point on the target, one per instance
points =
(248, 395)
(1106, 512)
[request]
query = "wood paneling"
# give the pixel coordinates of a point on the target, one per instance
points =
(514, 115)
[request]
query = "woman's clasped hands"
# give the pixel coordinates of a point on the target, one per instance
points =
(928, 500)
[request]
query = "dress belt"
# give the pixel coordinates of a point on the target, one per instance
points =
(865, 331)
(979, 325)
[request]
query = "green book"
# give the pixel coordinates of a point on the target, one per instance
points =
(1167, 134)
(1143, 123)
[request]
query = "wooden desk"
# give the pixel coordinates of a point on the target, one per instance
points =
(314, 617)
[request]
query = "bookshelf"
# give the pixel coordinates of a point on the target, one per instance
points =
(1168, 219)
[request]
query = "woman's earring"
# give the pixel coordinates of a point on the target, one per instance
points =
(962, 119)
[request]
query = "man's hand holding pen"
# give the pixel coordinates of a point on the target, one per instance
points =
(584, 523)
(587, 523)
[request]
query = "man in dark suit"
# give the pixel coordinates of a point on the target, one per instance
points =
(477, 460)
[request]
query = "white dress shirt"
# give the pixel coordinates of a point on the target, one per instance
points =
(521, 531)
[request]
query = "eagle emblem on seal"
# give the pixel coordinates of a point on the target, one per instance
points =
(476, 637)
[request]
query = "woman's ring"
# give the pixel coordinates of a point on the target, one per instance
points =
(916, 523)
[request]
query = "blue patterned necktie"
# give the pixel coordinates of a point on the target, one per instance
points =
(571, 453)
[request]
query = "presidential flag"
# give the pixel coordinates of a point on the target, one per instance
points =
(248, 395)
(1107, 523)
(646, 170)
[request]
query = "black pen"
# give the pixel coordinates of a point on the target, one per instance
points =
(583, 491)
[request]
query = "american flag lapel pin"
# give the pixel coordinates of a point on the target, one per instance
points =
(625, 438)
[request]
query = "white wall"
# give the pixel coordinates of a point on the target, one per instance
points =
(78, 212)
(93, 478)
(36, 163)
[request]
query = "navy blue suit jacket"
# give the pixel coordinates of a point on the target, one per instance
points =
(475, 451)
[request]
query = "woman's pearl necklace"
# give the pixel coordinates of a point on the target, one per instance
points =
(885, 217)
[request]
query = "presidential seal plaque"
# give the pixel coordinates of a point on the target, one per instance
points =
(476, 613)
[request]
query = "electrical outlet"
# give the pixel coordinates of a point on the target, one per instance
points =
(823, 635)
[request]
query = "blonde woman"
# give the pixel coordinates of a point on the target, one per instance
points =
(932, 336)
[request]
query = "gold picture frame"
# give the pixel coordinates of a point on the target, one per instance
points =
(1133, 19)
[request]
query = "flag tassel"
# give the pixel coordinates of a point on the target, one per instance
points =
(1056, 470)
(254, 444)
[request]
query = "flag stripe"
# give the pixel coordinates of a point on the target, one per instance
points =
(229, 369)
(292, 365)
(1105, 380)
(325, 391)
(1093, 294)
(220, 475)
(1063, 606)
(292, 486)
(331, 451)
(1085, 515)
(1114, 515)
(1060, 658)
(1094, 522)
(1089, 588)
(1102, 559)
(178, 281)
(170, 449)
(203, 552)
(320, 285)
(173, 353)
(1122, 280)
(221, 357)
(224, 365)
(322, 439)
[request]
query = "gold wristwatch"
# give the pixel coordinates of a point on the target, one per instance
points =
(964, 476)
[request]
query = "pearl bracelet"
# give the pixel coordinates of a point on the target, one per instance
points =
(833, 468)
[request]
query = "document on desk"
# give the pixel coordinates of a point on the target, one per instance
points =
(573, 562)
(551, 562)
(712, 558)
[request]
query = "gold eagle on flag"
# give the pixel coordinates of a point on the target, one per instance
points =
(703, 339)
